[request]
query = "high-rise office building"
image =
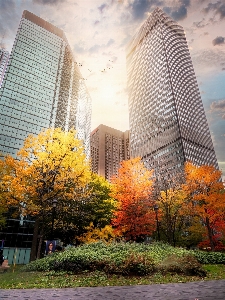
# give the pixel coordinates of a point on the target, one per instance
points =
(4, 57)
(168, 125)
(43, 86)
(109, 147)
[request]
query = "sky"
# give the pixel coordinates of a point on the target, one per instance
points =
(98, 32)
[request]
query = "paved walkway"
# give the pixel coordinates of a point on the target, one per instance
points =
(201, 290)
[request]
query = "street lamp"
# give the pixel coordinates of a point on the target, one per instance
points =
(54, 204)
(156, 208)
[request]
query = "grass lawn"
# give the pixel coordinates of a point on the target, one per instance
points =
(15, 278)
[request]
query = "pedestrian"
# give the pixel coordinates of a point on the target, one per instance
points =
(50, 247)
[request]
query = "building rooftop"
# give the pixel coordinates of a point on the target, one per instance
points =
(44, 24)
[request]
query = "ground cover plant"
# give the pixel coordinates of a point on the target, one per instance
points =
(118, 264)
(120, 258)
(16, 278)
(204, 257)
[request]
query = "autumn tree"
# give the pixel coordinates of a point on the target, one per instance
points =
(90, 212)
(170, 204)
(95, 234)
(207, 196)
(50, 166)
(132, 188)
(218, 229)
(3, 207)
(14, 187)
(101, 204)
(194, 231)
(3, 203)
(173, 209)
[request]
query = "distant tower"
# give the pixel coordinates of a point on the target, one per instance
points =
(4, 57)
(109, 147)
(42, 87)
(168, 125)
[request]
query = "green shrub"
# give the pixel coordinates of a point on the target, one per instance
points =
(43, 264)
(115, 258)
(187, 265)
(209, 257)
(137, 264)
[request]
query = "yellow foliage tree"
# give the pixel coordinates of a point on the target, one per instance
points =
(95, 234)
(51, 166)
(173, 211)
(3, 203)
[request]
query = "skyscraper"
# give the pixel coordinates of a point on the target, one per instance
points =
(42, 87)
(109, 147)
(168, 125)
(4, 57)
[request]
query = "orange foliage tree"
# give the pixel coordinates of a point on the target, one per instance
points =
(207, 196)
(132, 188)
(218, 226)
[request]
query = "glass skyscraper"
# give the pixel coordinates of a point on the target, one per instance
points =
(168, 125)
(42, 87)
(4, 57)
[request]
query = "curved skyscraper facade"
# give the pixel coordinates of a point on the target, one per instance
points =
(42, 87)
(168, 124)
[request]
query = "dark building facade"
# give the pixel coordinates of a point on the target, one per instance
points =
(109, 147)
(42, 87)
(168, 124)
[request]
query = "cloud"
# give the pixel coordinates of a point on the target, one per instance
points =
(218, 8)
(219, 108)
(5, 5)
(122, 91)
(200, 24)
(218, 41)
(96, 22)
(96, 47)
(9, 20)
(110, 42)
(112, 59)
(218, 105)
(125, 40)
(48, 2)
(140, 7)
(102, 7)
(178, 12)
(78, 49)
(208, 59)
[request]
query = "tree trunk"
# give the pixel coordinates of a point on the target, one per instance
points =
(34, 241)
(210, 234)
(40, 243)
(174, 229)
